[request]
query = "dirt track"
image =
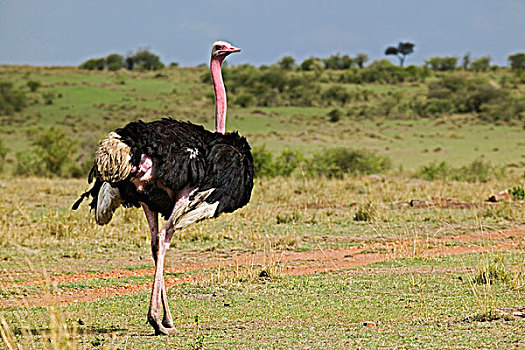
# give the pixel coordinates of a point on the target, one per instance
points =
(287, 262)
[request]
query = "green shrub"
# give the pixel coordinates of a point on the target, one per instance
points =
(481, 64)
(263, 162)
(48, 98)
(517, 192)
(288, 161)
(339, 161)
(287, 63)
(11, 100)
(334, 115)
(245, 100)
(517, 61)
(442, 63)
(338, 62)
(114, 62)
(434, 171)
(33, 85)
(3, 154)
(52, 154)
(94, 64)
(477, 171)
(266, 166)
(143, 60)
(458, 93)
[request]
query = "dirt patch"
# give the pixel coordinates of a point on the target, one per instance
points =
(287, 262)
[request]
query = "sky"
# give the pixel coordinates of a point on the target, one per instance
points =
(68, 32)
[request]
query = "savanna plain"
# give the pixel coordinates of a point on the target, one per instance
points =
(408, 253)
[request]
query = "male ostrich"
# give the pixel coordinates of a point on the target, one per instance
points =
(175, 168)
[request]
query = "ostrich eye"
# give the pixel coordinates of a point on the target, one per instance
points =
(218, 47)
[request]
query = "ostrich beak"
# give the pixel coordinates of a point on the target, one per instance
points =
(234, 49)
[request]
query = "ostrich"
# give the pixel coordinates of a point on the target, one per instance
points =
(174, 168)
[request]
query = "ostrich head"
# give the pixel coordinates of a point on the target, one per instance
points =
(221, 49)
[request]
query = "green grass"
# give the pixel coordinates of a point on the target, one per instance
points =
(92, 103)
(416, 301)
(411, 309)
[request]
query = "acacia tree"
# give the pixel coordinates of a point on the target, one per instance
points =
(401, 51)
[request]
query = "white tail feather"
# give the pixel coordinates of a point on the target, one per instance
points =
(194, 210)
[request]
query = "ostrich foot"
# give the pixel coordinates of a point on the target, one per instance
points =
(161, 328)
(168, 323)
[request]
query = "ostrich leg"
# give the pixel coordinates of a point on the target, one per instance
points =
(159, 247)
(167, 321)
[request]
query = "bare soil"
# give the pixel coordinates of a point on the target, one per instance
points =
(286, 262)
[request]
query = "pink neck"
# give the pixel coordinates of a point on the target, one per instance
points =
(220, 95)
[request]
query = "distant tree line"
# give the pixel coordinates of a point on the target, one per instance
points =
(141, 60)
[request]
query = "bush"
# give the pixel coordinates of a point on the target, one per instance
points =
(477, 171)
(334, 115)
(3, 154)
(311, 64)
(52, 154)
(48, 98)
(114, 62)
(442, 63)
(461, 94)
(10, 99)
(517, 61)
(94, 64)
(33, 85)
(245, 100)
(143, 59)
(434, 171)
(481, 64)
(263, 163)
(339, 161)
(517, 192)
(287, 63)
(338, 62)
(266, 166)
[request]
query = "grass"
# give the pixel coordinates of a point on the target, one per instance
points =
(421, 287)
(410, 308)
(88, 104)
(415, 301)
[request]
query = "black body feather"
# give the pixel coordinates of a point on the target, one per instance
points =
(184, 156)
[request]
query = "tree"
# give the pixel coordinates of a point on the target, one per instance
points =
(517, 61)
(94, 64)
(442, 63)
(481, 64)
(338, 62)
(361, 59)
(143, 59)
(114, 61)
(11, 100)
(466, 61)
(287, 63)
(311, 63)
(401, 51)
